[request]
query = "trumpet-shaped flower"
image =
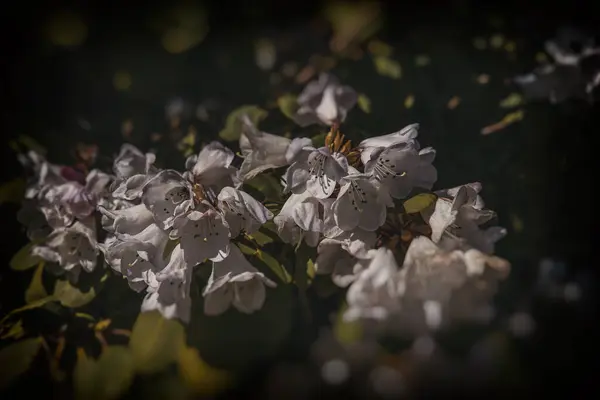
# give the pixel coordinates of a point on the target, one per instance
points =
(324, 101)
(359, 204)
(70, 246)
(300, 218)
(263, 151)
(234, 281)
(400, 168)
(242, 211)
(169, 197)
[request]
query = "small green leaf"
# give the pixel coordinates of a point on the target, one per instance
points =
(347, 332)
(319, 140)
(419, 202)
(155, 342)
(246, 249)
(36, 290)
(310, 269)
(187, 143)
(201, 378)
(387, 67)
(268, 185)
(30, 306)
(12, 191)
(23, 259)
(274, 265)
(171, 244)
(271, 227)
(16, 358)
(106, 378)
(31, 144)
(513, 100)
(70, 296)
(16, 331)
(287, 105)
(261, 238)
(364, 103)
(233, 124)
(379, 48)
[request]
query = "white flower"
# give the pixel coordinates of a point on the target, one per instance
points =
(444, 285)
(378, 143)
(45, 174)
(170, 293)
(133, 170)
(63, 203)
(324, 101)
(131, 161)
(345, 256)
(401, 167)
(242, 211)
(212, 167)
(458, 213)
(377, 291)
(138, 257)
(130, 220)
(234, 281)
(263, 151)
(318, 174)
(169, 197)
(358, 204)
(70, 246)
(299, 219)
(204, 234)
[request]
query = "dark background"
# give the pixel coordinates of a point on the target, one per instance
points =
(541, 169)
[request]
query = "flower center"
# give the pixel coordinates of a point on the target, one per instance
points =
(336, 144)
(384, 168)
(199, 193)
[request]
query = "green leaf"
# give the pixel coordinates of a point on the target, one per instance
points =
(23, 259)
(233, 124)
(187, 143)
(201, 378)
(171, 244)
(12, 191)
(347, 332)
(16, 331)
(310, 269)
(31, 144)
(261, 238)
(513, 100)
(16, 358)
(268, 185)
(271, 227)
(319, 140)
(155, 342)
(274, 266)
(419, 202)
(364, 103)
(30, 306)
(106, 378)
(70, 296)
(287, 105)
(246, 249)
(36, 290)
(387, 67)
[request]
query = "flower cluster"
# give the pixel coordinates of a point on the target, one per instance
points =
(58, 213)
(347, 204)
(573, 73)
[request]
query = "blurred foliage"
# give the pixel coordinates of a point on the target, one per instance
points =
(233, 125)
